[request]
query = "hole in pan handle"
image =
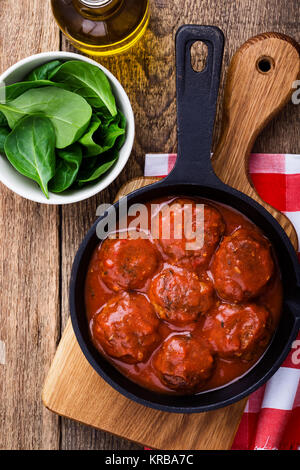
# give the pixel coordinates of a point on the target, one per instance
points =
(198, 56)
(197, 94)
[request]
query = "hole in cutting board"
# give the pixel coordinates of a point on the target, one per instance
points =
(199, 52)
(265, 64)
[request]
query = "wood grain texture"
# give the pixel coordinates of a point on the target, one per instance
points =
(252, 98)
(29, 266)
(75, 390)
(29, 230)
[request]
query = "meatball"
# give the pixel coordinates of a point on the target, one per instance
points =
(127, 264)
(236, 330)
(175, 247)
(242, 266)
(183, 363)
(127, 328)
(178, 295)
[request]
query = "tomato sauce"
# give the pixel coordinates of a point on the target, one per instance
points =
(226, 370)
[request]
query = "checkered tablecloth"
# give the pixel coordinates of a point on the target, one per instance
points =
(272, 416)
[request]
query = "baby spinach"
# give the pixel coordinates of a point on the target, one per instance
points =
(69, 113)
(67, 165)
(91, 147)
(30, 148)
(88, 81)
(93, 170)
(69, 106)
(4, 131)
(107, 119)
(3, 120)
(43, 71)
(122, 120)
(13, 91)
(112, 133)
(87, 167)
(102, 135)
(108, 137)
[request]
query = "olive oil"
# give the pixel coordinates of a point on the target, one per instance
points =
(102, 27)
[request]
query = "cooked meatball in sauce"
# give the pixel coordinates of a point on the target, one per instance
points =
(184, 363)
(175, 249)
(127, 327)
(182, 320)
(236, 330)
(127, 264)
(179, 296)
(242, 265)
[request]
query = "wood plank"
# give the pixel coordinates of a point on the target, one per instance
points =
(147, 72)
(29, 266)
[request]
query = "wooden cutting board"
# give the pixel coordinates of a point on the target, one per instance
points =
(73, 389)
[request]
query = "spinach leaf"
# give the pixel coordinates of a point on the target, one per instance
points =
(87, 167)
(112, 132)
(105, 117)
(107, 136)
(93, 170)
(3, 120)
(4, 131)
(120, 141)
(69, 113)
(122, 124)
(13, 91)
(43, 72)
(91, 148)
(102, 136)
(30, 148)
(88, 81)
(122, 120)
(67, 166)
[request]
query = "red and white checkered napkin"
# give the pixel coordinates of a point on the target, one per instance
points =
(272, 415)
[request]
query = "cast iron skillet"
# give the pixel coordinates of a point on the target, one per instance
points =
(193, 176)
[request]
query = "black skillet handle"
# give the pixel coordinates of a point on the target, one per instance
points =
(197, 94)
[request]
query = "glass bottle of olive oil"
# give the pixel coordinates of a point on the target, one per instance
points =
(102, 27)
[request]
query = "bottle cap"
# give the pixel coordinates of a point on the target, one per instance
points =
(95, 3)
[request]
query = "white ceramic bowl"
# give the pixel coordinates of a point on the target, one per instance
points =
(28, 188)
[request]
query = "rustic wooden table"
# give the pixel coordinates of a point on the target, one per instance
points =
(38, 242)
